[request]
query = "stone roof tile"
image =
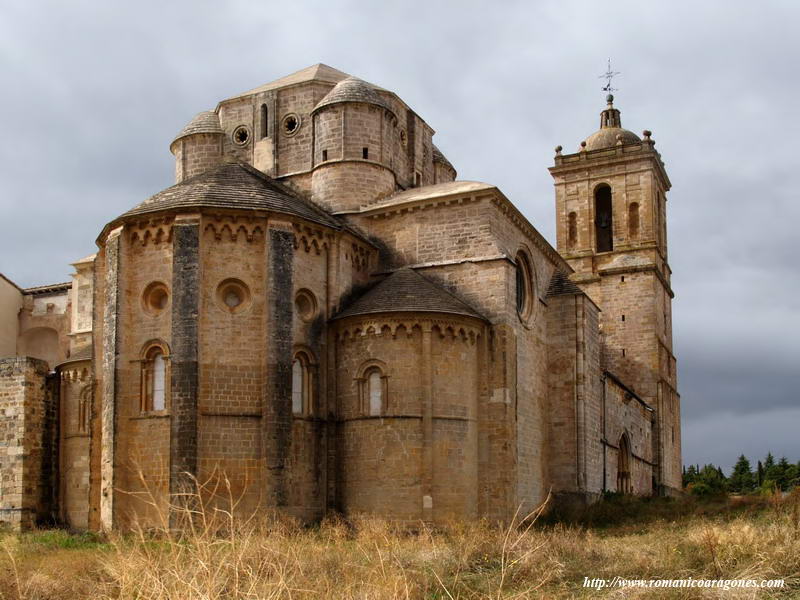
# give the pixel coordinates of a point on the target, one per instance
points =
(352, 89)
(441, 158)
(560, 285)
(238, 186)
(204, 122)
(407, 291)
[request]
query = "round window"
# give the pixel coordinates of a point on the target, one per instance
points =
(155, 298)
(241, 135)
(233, 295)
(305, 305)
(291, 124)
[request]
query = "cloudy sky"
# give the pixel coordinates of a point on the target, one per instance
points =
(93, 93)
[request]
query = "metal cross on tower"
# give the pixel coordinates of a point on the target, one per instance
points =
(608, 76)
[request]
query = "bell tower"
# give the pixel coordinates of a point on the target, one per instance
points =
(611, 200)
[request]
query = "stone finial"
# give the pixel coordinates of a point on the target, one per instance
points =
(583, 146)
(558, 150)
(647, 133)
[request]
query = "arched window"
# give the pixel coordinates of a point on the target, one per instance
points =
(572, 230)
(633, 220)
(524, 286)
(264, 121)
(373, 388)
(302, 384)
(155, 376)
(624, 465)
(603, 219)
(83, 408)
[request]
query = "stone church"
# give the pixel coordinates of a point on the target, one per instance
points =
(321, 316)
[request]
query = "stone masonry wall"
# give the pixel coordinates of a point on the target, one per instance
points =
(624, 414)
(419, 458)
(196, 154)
(27, 452)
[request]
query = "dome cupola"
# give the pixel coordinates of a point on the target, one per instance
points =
(611, 132)
(352, 89)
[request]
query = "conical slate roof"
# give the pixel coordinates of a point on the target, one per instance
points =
(234, 185)
(352, 89)
(204, 122)
(407, 291)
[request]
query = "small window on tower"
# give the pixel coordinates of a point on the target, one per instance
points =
(365, 153)
(417, 179)
(264, 122)
(324, 155)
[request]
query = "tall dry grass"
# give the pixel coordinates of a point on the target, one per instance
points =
(217, 555)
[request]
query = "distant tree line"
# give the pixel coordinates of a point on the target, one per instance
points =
(768, 476)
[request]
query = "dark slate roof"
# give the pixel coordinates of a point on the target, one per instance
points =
(439, 157)
(204, 122)
(407, 291)
(352, 89)
(238, 186)
(560, 284)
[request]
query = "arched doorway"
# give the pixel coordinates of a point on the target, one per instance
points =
(624, 465)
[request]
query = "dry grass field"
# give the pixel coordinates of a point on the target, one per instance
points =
(756, 538)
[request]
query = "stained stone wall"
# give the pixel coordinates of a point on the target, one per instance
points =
(27, 443)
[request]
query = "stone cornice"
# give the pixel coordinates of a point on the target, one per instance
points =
(518, 219)
(580, 161)
(467, 329)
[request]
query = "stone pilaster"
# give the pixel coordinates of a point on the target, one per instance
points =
(427, 424)
(109, 390)
(183, 358)
(277, 417)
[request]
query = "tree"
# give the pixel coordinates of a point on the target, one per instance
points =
(777, 472)
(769, 462)
(783, 471)
(741, 479)
(689, 475)
(710, 481)
(793, 476)
(760, 474)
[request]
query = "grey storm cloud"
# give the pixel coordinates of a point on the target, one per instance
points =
(93, 92)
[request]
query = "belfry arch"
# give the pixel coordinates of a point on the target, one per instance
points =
(603, 219)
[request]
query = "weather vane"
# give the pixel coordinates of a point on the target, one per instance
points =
(608, 76)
